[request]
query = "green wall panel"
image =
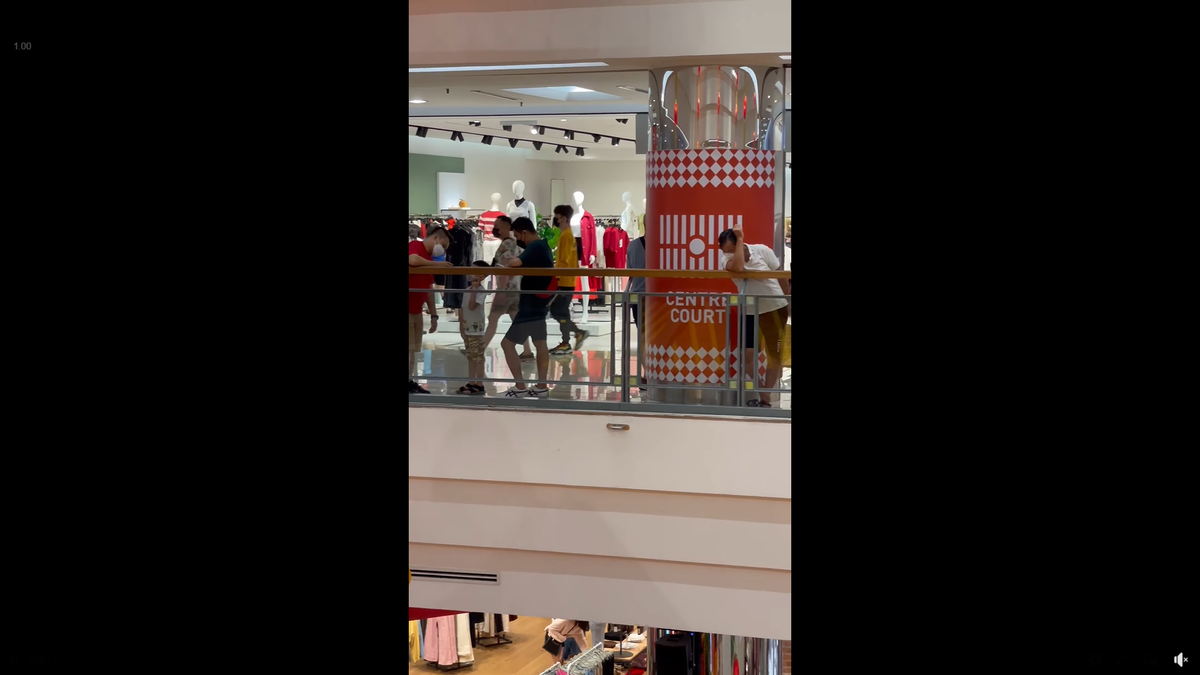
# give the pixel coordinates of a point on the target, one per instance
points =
(422, 179)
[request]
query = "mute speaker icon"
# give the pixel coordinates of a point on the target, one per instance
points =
(1180, 660)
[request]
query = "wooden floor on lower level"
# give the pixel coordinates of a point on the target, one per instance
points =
(523, 657)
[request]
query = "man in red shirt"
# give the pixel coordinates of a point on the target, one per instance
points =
(421, 254)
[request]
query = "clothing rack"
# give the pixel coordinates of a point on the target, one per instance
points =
(497, 636)
(585, 661)
(589, 660)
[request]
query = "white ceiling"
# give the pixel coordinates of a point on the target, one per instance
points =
(455, 110)
(422, 7)
(433, 88)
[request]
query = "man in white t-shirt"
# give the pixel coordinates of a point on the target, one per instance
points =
(772, 312)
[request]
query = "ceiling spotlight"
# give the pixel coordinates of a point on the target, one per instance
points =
(512, 142)
(623, 120)
(476, 123)
(616, 141)
(534, 131)
(421, 131)
(566, 134)
(506, 127)
(579, 152)
(418, 100)
(537, 145)
(563, 120)
(560, 149)
(487, 140)
(457, 136)
(595, 138)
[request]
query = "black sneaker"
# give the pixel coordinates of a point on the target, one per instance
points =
(415, 388)
(580, 336)
(562, 348)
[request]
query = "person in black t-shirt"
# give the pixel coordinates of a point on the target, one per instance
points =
(530, 321)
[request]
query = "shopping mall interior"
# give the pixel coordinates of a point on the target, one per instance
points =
(598, 500)
(487, 144)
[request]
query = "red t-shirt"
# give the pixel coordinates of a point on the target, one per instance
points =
(417, 299)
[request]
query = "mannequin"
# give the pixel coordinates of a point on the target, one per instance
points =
(583, 226)
(641, 221)
(487, 219)
(519, 206)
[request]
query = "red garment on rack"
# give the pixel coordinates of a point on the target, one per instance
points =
(616, 247)
(587, 235)
(416, 613)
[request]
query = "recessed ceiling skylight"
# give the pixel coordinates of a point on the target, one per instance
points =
(565, 94)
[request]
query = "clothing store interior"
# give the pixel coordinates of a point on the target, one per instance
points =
(485, 145)
(500, 644)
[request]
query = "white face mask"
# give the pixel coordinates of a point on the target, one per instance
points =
(438, 250)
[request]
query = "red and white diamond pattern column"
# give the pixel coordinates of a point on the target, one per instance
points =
(693, 196)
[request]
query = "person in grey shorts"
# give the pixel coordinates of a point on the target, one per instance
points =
(530, 321)
(505, 303)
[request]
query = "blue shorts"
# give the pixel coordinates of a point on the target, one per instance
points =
(570, 648)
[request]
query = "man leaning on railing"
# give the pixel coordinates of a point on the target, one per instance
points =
(737, 256)
(421, 254)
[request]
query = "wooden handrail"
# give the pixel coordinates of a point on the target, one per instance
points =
(601, 272)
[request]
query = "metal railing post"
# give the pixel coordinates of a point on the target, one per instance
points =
(741, 381)
(625, 339)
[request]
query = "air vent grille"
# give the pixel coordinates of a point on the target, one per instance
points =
(456, 576)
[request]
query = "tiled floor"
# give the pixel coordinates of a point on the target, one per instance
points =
(442, 365)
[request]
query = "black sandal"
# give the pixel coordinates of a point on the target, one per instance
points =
(466, 390)
(476, 389)
(757, 403)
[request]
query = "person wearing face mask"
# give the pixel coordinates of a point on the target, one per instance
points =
(530, 322)
(560, 306)
(420, 254)
(506, 300)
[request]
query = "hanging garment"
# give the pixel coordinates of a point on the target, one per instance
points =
(414, 641)
(588, 249)
(421, 636)
(460, 254)
(462, 626)
(621, 257)
(441, 645)
(477, 245)
(489, 625)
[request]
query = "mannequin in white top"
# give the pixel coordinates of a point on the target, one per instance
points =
(520, 206)
(628, 217)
